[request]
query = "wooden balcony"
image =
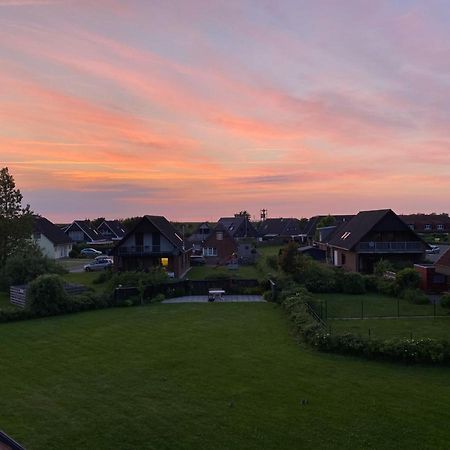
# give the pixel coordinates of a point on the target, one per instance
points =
(390, 247)
(142, 250)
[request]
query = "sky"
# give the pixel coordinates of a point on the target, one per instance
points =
(202, 108)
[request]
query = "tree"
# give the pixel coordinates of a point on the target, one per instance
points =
(16, 222)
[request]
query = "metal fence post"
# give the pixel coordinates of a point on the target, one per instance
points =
(398, 307)
(326, 310)
(362, 309)
(434, 307)
(321, 309)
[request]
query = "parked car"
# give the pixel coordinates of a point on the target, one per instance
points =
(433, 249)
(197, 260)
(90, 252)
(99, 264)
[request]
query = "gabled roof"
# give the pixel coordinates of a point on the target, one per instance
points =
(163, 226)
(280, 227)
(53, 233)
(232, 225)
(444, 259)
(86, 228)
(167, 230)
(351, 233)
(311, 226)
(115, 226)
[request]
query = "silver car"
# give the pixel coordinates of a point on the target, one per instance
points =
(98, 264)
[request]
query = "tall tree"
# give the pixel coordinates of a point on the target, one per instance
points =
(16, 222)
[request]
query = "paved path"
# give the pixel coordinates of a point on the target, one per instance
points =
(226, 299)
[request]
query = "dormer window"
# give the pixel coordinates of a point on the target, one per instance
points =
(219, 235)
(440, 227)
(427, 227)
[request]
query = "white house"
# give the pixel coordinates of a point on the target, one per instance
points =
(52, 241)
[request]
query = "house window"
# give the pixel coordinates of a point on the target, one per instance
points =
(210, 251)
(219, 235)
(411, 225)
(164, 262)
(440, 227)
(427, 227)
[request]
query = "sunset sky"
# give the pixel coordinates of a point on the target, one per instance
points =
(199, 109)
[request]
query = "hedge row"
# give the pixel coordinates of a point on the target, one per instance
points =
(401, 350)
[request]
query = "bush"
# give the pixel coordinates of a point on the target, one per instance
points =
(415, 296)
(23, 268)
(87, 301)
(103, 277)
(158, 298)
(272, 262)
(371, 283)
(381, 267)
(445, 301)
(46, 296)
(353, 283)
(407, 279)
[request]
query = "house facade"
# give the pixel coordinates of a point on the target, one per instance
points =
(238, 227)
(111, 230)
(427, 223)
(82, 231)
(153, 242)
(197, 238)
(220, 247)
(52, 241)
(357, 245)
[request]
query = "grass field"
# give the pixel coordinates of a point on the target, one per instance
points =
(438, 328)
(373, 305)
(209, 376)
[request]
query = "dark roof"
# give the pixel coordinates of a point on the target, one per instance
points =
(444, 259)
(232, 225)
(311, 226)
(167, 230)
(353, 231)
(280, 227)
(86, 228)
(50, 231)
(115, 226)
(423, 219)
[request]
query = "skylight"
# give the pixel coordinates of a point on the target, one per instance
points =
(346, 235)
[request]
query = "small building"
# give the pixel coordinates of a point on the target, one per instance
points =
(52, 241)
(198, 237)
(427, 223)
(238, 227)
(283, 229)
(111, 230)
(153, 242)
(442, 265)
(357, 245)
(430, 280)
(83, 231)
(220, 247)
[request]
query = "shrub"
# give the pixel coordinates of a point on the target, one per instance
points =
(407, 279)
(23, 268)
(103, 276)
(415, 296)
(371, 283)
(158, 298)
(317, 278)
(353, 283)
(381, 267)
(46, 296)
(220, 275)
(445, 301)
(272, 262)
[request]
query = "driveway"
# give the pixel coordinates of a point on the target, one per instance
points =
(225, 299)
(433, 257)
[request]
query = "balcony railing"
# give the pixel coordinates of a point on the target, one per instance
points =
(141, 250)
(390, 247)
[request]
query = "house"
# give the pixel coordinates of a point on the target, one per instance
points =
(198, 237)
(427, 223)
(82, 231)
(369, 236)
(310, 228)
(111, 230)
(238, 226)
(52, 241)
(280, 228)
(220, 247)
(442, 265)
(152, 242)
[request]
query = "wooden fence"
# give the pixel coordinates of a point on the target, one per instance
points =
(18, 294)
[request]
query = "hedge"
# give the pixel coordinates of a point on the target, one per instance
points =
(420, 351)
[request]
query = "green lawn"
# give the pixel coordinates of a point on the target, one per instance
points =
(372, 305)
(438, 328)
(206, 376)
(86, 278)
(72, 263)
(4, 301)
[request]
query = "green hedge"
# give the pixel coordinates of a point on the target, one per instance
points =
(400, 350)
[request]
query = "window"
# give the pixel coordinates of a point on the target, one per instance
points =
(164, 262)
(346, 235)
(210, 251)
(440, 227)
(427, 227)
(219, 235)
(411, 225)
